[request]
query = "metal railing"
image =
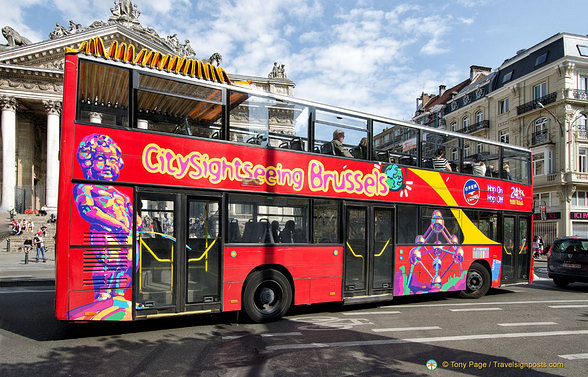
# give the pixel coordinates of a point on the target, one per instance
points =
(541, 137)
(532, 105)
(580, 94)
(475, 127)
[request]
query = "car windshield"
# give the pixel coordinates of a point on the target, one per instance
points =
(579, 246)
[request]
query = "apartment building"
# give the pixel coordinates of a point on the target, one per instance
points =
(537, 99)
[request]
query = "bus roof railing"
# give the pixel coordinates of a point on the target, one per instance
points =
(279, 97)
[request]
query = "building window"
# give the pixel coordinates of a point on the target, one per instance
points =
(541, 59)
(453, 126)
(543, 161)
(582, 125)
(583, 83)
(479, 148)
(541, 131)
(504, 138)
(583, 50)
(539, 164)
(579, 199)
(583, 160)
(465, 123)
(507, 76)
(540, 90)
(503, 106)
(466, 150)
(550, 199)
(479, 116)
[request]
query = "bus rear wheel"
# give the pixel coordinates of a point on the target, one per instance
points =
(267, 295)
(477, 282)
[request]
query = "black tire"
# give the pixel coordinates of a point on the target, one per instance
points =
(477, 282)
(267, 295)
(561, 282)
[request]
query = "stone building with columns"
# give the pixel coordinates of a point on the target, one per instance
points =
(31, 91)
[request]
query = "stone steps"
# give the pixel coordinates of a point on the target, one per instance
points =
(13, 242)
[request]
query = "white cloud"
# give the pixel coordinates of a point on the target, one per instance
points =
(466, 21)
(13, 15)
(365, 57)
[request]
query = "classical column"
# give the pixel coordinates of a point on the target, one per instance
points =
(8, 106)
(53, 109)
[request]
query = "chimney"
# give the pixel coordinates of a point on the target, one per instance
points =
(442, 89)
(475, 69)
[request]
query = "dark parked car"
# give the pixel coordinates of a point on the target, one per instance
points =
(568, 261)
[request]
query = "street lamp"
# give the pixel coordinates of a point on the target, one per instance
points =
(561, 128)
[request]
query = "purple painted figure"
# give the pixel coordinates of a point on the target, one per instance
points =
(110, 213)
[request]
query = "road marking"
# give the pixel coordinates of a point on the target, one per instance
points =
(407, 329)
(281, 334)
(370, 313)
(483, 303)
(474, 309)
(567, 306)
(268, 335)
(379, 342)
(575, 356)
(527, 324)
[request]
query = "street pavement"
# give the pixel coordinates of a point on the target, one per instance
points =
(14, 271)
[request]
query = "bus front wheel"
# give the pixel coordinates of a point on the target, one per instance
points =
(477, 282)
(267, 295)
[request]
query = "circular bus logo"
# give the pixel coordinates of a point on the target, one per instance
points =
(471, 192)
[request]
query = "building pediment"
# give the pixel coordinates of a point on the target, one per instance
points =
(51, 53)
(122, 26)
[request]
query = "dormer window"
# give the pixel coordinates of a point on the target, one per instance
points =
(507, 77)
(541, 59)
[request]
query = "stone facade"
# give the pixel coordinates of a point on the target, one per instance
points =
(31, 91)
(538, 99)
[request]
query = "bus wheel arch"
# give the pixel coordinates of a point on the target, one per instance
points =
(478, 280)
(267, 294)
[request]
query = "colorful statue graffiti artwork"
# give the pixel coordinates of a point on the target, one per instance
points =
(437, 252)
(109, 212)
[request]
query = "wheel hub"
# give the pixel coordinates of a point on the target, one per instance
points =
(267, 296)
(475, 281)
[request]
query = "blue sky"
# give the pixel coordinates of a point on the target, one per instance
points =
(372, 56)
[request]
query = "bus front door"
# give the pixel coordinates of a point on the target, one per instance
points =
(368, 250)
(178, 262)
(156, 252)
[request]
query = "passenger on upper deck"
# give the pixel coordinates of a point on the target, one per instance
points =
(361, 150)
(340, 150)
(478, 166)
(506, 172)
(439, 161)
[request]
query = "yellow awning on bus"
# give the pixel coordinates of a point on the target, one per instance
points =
(152, 59)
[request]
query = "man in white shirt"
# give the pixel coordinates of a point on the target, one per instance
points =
(478, 166)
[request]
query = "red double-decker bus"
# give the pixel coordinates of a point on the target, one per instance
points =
(182, 192)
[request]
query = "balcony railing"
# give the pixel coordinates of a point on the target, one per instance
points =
(551, 97)
(580, 94)
(475, 127)
(540, 137)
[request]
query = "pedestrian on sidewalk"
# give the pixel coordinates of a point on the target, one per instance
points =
(38, 241)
